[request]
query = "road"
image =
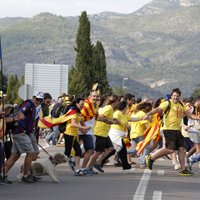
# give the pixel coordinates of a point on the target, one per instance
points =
(160, 183)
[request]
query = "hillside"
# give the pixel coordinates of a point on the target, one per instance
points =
(158, 51)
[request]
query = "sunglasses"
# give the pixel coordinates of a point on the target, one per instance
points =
(39, 100)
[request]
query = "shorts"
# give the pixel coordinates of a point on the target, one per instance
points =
(22, 143)
(173, 139)
(102, 143)
(34, 143)
(188, 143)
(88, 142)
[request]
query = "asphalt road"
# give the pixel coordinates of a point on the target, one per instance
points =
(160, 183)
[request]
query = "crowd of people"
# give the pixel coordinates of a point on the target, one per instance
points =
(97, 127)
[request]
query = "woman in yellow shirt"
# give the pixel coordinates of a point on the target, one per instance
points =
(118, 131)
(71, 134)
(138, 128)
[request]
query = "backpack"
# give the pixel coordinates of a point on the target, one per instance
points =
(57, 110)
(166, 112)
(62, 127)
(13, 113)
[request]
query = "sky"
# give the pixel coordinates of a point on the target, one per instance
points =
(30, 8)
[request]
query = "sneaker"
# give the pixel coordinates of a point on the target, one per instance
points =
(28, 179)
(127, 171)
(185, 172)
(86, 172)
(92, 171)
(78, 173)
(72, 164)
(98, 167)
(5, 180)
(2, 182)
(149, 162)
(189, 163)
(177, 167)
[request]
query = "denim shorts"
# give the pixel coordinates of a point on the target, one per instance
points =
(88, 142)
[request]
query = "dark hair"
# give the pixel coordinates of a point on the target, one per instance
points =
(176, 90)
(144, 106)
(112, 99)
(138, 100)
(73, 105)
(122, 105)
(47, 96)
(128, 96)
(157, 102)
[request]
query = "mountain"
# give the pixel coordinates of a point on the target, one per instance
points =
(160, 6)
(156, 52)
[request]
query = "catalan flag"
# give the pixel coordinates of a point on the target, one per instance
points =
(152, 133)
(88, 111)
(49, 122)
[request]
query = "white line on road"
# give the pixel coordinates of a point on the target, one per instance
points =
(161, 172)
(141, 189)
(157, 195)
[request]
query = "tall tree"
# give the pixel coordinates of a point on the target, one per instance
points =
(99, 66)
(12, 90)
(81, 78)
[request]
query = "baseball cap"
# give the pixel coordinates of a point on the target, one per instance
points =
(39, 95)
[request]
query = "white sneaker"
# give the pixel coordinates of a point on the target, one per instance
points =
(126, 171)
(177, 167)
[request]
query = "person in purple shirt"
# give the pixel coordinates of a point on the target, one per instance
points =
(23, 139)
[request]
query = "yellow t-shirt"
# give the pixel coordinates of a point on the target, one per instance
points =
(138, 128)
(172, 119)
(130, 110)
(123, 121)
(71, 130)
(101, 128)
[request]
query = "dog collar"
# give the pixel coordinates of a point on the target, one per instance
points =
(52, 160)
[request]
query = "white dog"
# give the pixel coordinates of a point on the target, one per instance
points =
(46, 166)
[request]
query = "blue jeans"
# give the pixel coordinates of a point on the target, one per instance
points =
(195, 158)
(53, 135)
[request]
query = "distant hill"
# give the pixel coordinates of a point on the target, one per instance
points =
(155, 50)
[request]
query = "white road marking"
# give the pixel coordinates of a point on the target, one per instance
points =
(141, 189)
(161, 172)
(157, 195)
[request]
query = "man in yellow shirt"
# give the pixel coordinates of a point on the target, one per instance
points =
(172, 130)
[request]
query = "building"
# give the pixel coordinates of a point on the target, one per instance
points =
(51, 78)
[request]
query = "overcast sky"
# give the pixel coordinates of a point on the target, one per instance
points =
(29, 8)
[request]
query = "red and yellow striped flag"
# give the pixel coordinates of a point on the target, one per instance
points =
(49, 122)
(152, 133)
(88, 111)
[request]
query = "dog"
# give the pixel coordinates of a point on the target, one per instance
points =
(45, 166)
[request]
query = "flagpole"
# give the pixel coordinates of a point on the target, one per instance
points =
(3, 126)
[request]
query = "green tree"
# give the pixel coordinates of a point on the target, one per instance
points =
(3, 84)
(196, 92)
(12, 90)
(81, 75)
(99, 67)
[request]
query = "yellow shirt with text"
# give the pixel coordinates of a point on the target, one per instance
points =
(173, 118)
